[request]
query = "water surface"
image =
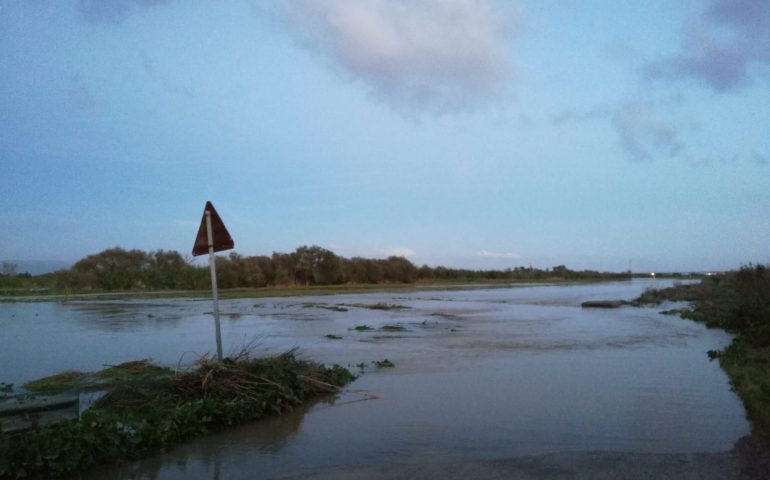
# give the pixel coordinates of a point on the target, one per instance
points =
(480, 374)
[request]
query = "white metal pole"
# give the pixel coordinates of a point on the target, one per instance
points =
(214, 293)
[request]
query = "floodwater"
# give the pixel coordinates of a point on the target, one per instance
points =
(484, 375)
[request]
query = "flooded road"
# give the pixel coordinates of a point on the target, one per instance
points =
(495, 383)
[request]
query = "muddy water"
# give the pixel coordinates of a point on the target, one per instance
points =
(481, 376)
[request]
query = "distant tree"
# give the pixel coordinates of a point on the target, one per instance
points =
(120, 269)
(237, 271)
(425, 273)
(317, 266)
(400, 270)
(283, 268)
(116, 268)
(164, 270)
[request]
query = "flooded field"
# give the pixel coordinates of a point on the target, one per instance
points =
(481, 377)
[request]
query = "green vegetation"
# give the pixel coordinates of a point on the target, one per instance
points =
(738, 302)
(601, 304)
(119, 270)
(383, 363)
(383, 306)
(335, 308)
(147, 408)
(362, 328)
(392, 328)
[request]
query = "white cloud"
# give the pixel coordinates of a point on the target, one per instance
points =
(395, 252)
(498, 255)
(417, 55)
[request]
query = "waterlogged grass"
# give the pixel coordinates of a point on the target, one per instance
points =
(333, 308)
(385, 363)
(147, 408)
(392, 328)
(266, 292)
(384, 306)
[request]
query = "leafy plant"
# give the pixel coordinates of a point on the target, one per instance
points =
(147, 408)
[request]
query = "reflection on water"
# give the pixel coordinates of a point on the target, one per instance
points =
(265, 439)
(483, 374)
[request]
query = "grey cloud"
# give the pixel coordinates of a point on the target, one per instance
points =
(760, 159)
(575, 116)
(722, 46)
(644, 136)
(416, 55)
(113, 11)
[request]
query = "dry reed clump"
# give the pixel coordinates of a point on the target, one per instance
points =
(135, 368)
(244, 378)
(270, 384)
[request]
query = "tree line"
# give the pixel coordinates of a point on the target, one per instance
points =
(119, 269)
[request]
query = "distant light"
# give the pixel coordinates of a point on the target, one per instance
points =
(652, 274)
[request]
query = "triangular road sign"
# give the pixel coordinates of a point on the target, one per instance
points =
(221, 237)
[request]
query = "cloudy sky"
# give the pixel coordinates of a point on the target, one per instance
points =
(475, 133)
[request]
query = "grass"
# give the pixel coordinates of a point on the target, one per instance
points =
(58, 383)
(147, 408)
(748, 369)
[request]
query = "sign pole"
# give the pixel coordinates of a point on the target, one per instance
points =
(215, 294)
(213, 237)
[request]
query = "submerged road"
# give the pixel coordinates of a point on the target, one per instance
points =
(518, 383)
(573, 466)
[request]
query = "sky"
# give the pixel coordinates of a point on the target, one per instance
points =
(467, 133)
